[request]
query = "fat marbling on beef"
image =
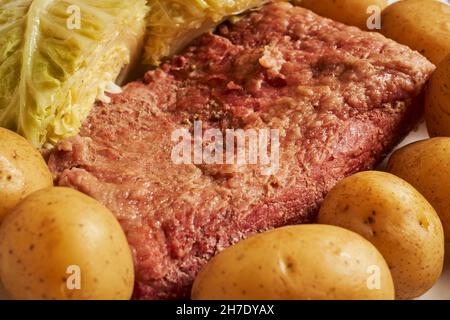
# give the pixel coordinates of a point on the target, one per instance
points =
(340, 97)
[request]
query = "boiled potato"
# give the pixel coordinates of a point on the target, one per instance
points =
(426, 165)
(422, 25)
(22, 170)
(297, 262)
(398, 220)
(437, 101)
(61, 244)
(351, 12)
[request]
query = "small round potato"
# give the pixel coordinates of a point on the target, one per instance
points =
(22, 171)
(351, 12)
(437, 101)
(421, 25)
(426, 166)
(61, 244)
(297, 262)
(398, 220)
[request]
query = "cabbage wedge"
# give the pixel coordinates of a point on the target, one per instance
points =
(172, 24)
(58, 56)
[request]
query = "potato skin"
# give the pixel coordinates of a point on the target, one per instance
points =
(53, 229)
(426, 165)
(421, 25)
(398, 220)
(350, 12)
(295, 262)
(22, 171)
(437, 101)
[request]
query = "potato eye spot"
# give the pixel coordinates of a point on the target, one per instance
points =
(369, 220)
(423, 222)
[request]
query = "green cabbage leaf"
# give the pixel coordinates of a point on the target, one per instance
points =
(172, 24)
(58, 56)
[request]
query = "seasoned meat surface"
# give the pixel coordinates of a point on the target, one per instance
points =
(339, 97)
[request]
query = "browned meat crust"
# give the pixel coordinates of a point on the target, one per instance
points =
(340, 97)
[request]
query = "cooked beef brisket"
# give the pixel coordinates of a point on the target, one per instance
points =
(340, 97)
